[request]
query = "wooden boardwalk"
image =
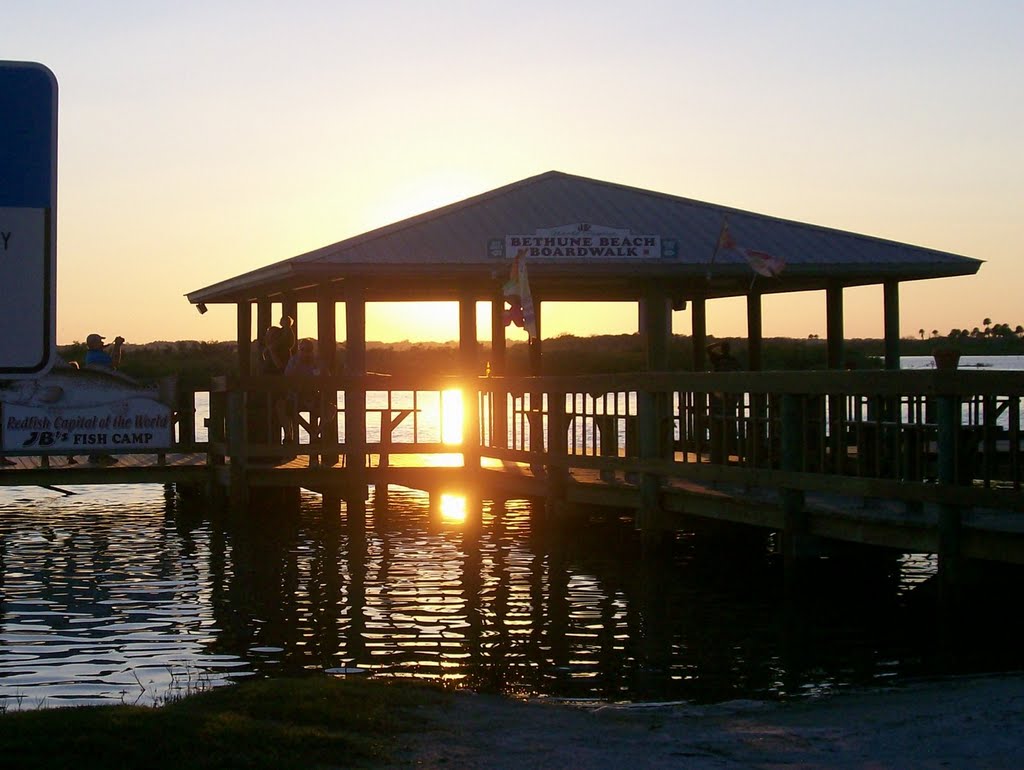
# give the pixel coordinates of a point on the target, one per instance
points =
(913, 462)
(988, 533)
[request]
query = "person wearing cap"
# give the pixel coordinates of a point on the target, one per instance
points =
(96, 355)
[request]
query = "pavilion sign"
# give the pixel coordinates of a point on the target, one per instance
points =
(584, 241)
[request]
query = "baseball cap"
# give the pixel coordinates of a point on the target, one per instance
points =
(93, 339)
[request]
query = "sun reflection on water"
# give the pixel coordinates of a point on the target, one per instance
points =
(451, 417)
(453, 508)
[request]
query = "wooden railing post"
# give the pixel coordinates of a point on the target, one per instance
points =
(471, 438)
(649, 427)
(792, 460)
(238, 449)
(558, 451)
(950, 560)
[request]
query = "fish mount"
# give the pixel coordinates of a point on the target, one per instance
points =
(70, 388)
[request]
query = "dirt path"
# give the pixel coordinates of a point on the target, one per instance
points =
(959, 723)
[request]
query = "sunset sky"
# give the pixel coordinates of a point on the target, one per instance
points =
(199, 140)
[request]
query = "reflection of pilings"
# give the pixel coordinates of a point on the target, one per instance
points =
(472, 585)
(357, 558)
(325, 582)
(795, 534)
(499, 673)
(557, 615)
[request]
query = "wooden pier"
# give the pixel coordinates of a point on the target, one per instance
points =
(926, 462)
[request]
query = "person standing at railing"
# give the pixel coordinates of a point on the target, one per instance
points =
(303, 364)
(97, 356)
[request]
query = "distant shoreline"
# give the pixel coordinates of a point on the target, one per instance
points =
(196, 361)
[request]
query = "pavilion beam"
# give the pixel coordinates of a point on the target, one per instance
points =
(834, 326)
(700, 333)
(655, 327)
(263, 320)
(499, 402)
(355, 395)
(326, 328)
(653, 411)
(290, 308)
(244, 336)
(498, 347)
(467, 334)
(891, 310)
(536, 362)
(327, 345)
(755, 334)
(470, 395)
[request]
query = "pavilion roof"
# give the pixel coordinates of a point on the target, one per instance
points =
(657, 239)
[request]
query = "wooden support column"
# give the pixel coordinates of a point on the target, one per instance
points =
(536, 365)
(653, 413)
(470, 392)
(700, 334)
(327, 346)
(238, 450)
(290, 308)
(326, 329)
(499, 396)
(755, 336)
(263, 319)
(655, 327)
(355, 395)
(834, 326)
(535, 413)
(891, 309)
(244, 336)
(467, 334)
(558, 449)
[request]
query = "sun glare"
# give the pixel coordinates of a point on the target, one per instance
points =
(451, 417)
(453, 508)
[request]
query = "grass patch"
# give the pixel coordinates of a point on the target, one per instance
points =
(310, 722)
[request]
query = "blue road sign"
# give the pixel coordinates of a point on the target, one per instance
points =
(28, 208)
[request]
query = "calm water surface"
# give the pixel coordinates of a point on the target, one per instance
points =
(131, 594)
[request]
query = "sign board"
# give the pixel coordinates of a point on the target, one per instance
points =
(584, 241)
(28, 200)
(136, 424)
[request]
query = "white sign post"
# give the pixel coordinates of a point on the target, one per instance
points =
(28, 200)
(23, 274)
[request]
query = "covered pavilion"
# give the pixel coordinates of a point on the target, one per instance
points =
(584, 240)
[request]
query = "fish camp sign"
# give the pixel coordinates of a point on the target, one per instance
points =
(136, 424)
(70, 411)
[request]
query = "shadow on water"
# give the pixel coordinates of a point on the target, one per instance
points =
(500, 600)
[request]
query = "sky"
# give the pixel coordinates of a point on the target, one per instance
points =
(200, 140)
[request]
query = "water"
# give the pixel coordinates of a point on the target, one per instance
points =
(132, 594)
(993, 363)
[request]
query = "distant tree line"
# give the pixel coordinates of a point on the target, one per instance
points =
(989, 331)
(194, 362)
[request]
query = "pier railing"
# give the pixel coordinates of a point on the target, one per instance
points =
(913, 435)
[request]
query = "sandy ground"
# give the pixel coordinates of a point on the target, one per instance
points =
(958, 723)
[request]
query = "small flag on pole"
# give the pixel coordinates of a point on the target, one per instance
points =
(517, 295)
(760, 262)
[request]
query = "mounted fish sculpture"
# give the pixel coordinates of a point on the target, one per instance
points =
(69, 388)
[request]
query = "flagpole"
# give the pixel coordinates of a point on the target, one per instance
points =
(718, 243)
